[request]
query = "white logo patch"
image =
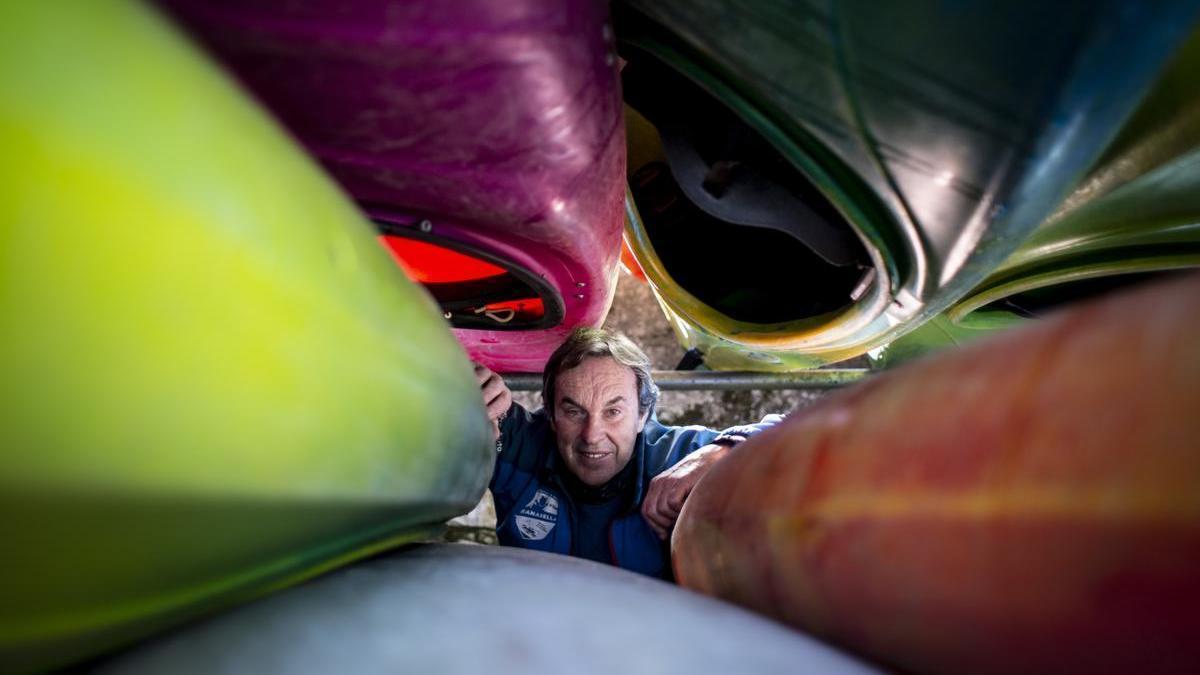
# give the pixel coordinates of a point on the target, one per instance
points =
(538, 517)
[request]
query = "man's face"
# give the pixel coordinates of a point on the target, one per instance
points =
(596, 418)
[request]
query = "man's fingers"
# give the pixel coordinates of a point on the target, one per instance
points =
(650, 508)
(657, 509)
(665, 510)
(667, 513)
(656, 523)
(666, 495)
(678, 496)
(499, 406)
(671, 502)
(496, 396)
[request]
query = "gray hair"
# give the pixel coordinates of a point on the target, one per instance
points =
(585, 343)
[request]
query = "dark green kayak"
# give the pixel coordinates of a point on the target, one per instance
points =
(816, 178)
(1133, 218)
(1136, 215)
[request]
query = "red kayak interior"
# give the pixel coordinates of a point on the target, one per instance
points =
(473, 291)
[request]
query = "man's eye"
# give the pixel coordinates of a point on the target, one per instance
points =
(613, 412)
(572, 412)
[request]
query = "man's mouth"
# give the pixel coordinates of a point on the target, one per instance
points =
(592, 453)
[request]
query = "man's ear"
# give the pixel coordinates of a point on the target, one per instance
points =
(642, 422)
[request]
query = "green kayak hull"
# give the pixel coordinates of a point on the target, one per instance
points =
(1136, 213)
(937, 140)
(214, 381)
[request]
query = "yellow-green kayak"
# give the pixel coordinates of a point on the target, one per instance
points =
(214, 382)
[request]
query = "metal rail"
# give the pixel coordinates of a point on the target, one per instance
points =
(714, 380)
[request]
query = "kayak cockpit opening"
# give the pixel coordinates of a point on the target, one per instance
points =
(732, 220)
(474, 289)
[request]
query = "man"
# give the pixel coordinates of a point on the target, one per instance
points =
(593, 473)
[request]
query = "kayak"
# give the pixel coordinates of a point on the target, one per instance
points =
(1024, 504)
(1135, 217)
(204, 396)
(942, 334)
(484, 139)
(461, 608)
(815, 180)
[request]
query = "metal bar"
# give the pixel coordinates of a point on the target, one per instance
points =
(713, 380)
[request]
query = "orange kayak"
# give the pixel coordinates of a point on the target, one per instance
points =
(1026, 504)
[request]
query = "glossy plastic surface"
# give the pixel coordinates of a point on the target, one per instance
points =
(944, 136)
(497, 122)
(484, 609)
(203, 393)
(1025, 504)
(1138, 210)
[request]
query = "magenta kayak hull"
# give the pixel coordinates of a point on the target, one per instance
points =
(499, 124)
(587, 289)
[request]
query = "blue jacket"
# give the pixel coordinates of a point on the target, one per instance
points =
(534, 509)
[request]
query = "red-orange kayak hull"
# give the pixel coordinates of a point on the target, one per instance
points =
(1028, 504)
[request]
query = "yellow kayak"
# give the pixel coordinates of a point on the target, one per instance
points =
(214, 381)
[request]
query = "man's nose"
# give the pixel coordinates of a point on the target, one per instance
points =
(593, 431)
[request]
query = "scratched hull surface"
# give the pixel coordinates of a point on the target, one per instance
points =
(471, 609)
(498, 123)
(1026, 504)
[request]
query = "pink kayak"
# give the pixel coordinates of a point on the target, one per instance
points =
(484, 139)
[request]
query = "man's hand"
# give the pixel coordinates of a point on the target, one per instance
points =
(496, 397)
(669, 489)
